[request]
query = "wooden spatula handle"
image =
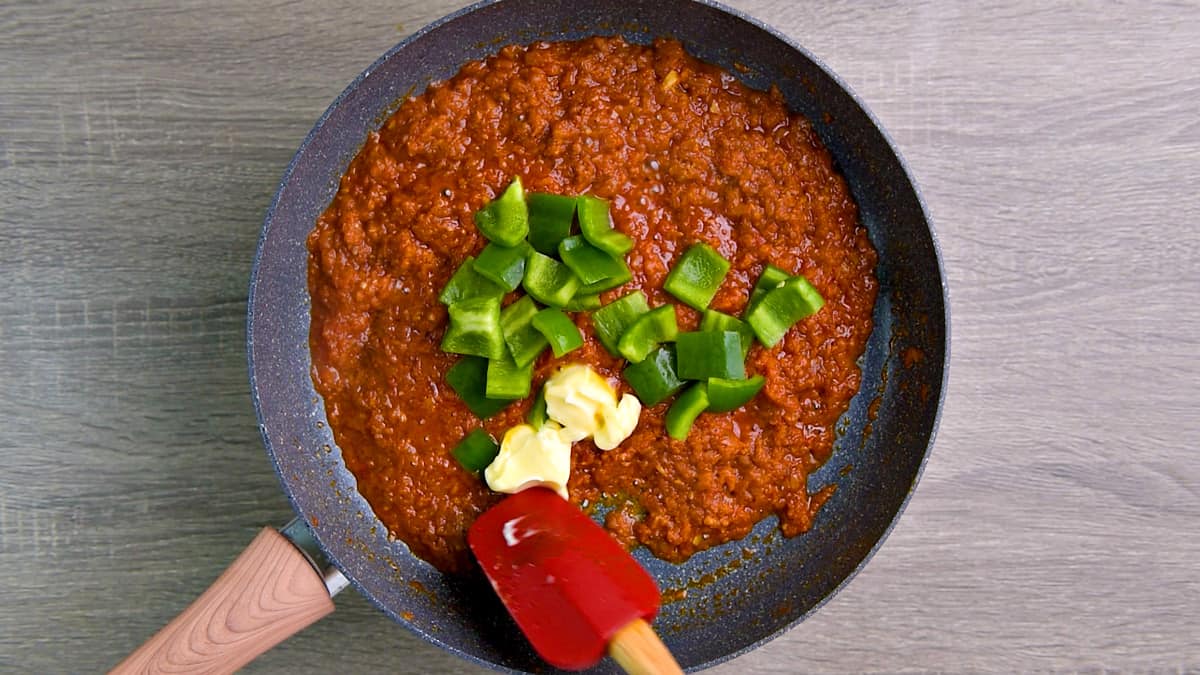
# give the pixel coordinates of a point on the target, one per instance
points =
(269, 593)
(637, 649)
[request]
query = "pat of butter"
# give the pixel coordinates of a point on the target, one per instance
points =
(576, 397)
(619, 423)
(528, 458)
(583, 402)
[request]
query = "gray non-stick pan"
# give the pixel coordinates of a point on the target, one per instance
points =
(729, 607)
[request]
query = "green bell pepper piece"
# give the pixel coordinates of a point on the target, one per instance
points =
(538, 416)
(516, 324)
(654, 378)
(782, 307)
(505, 220)
(559, 330)
(613, 319)
(705, 354)
(696, 276)
(647, 332)
(589, 263)
(596, 225)
(468, 379)
(475, 329)
(507, 380)
(725, 395)
(549, 281)
(770, 279)
(714, 320)
(605, 284)
(550, 220)
(467, 283)
(684, 411)
(583, 302)
(476, 450)
(503, 265)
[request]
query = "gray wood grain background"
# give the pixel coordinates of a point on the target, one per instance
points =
(1057, 526)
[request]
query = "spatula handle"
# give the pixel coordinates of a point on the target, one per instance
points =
(269, 593)
(637, 649)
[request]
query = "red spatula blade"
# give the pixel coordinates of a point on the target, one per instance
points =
(567, 583)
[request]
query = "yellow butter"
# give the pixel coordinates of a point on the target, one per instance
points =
(528, 457)
(579, 404)
(576, 397)
(618, 423)
(583, 402)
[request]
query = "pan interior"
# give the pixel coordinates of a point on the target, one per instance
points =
(726, 599)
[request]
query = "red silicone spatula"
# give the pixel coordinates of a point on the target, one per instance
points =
(571, 588)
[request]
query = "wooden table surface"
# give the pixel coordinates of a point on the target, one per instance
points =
(1057, 526)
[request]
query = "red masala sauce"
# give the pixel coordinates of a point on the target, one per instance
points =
(685, 153)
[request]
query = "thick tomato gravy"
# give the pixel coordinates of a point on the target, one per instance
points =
(685, 153)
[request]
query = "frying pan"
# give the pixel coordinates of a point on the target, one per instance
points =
(730, 602)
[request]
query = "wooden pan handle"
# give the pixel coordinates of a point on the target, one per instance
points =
(269, 593)
(637, 649)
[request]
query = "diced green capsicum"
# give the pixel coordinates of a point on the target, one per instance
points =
(591, 264)
(550, 220)
(505, 220)
(597, 227)
(654, 378)
(647, 332)
(537, 416)
(468, 378)
(770, 279)
(467, 283)
(583, 302)
(684, 411)
(714, 320)
(605, 284)
(549, 281)
(697, 275)
(516, 324)
(782, 307)
(705, 354)
(559, 330)
(725, 395)
(476, 450)
(507, 380)
(503, 265)
(613, 319)
(475, 329)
